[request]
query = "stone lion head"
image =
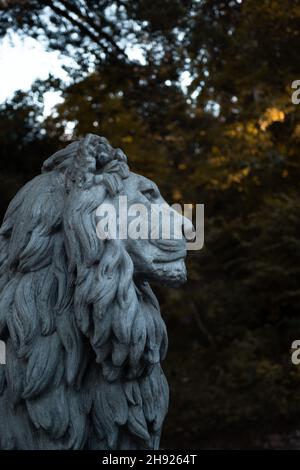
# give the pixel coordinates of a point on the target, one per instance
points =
(82, 326)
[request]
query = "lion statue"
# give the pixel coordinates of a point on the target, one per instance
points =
(83, 331)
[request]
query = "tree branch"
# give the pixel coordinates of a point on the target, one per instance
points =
(85, 31)
(74, 9)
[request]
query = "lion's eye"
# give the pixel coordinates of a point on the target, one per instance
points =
(149, 193)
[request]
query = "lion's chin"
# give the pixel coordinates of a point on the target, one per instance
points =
(171, 273)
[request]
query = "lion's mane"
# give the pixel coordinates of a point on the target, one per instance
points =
(84, 339)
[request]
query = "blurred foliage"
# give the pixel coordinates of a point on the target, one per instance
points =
(228, 137)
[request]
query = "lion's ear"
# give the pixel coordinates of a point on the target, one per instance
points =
(62, 159)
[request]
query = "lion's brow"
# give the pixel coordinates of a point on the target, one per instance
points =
(147, 184)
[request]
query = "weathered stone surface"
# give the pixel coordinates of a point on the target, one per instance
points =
(83, 331)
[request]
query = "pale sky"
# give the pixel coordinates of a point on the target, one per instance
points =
(24, 60)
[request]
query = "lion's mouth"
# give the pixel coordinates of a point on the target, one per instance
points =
(170, 257)
(169, 251)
